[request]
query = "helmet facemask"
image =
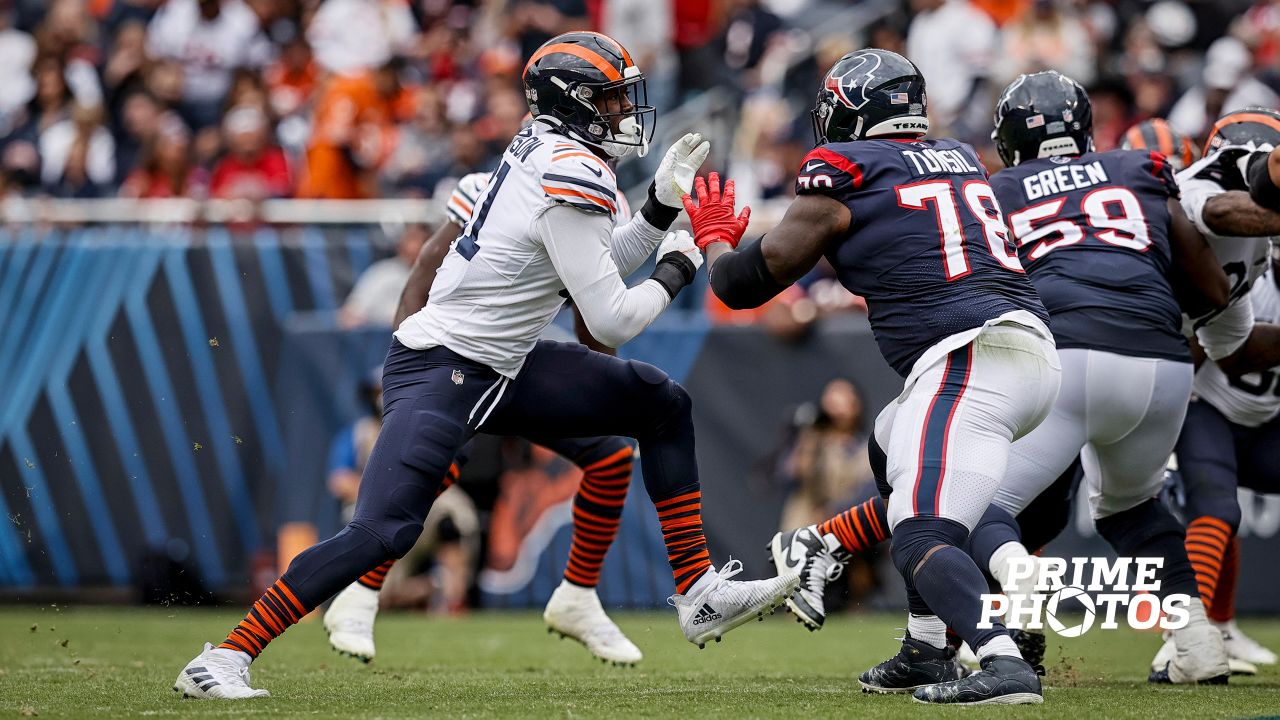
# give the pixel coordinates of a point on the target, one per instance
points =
(622, 118)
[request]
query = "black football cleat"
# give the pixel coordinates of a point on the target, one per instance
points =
(916, 665)
(1003, 680)
(1032, 646)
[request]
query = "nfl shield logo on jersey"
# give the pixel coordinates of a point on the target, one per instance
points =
(458, 377)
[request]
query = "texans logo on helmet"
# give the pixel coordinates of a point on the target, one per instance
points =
(851, 86)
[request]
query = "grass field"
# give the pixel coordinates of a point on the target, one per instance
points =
(85, 663)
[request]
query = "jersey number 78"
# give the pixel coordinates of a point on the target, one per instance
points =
(980, 201)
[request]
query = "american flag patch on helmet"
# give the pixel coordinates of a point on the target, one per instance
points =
(1035, 121)
(898, 98)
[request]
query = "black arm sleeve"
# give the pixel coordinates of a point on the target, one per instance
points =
(741, 279)
(1261, 190)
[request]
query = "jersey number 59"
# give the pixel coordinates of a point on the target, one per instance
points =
(981, 203)
(1114, 215)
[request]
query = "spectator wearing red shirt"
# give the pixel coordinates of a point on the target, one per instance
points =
(253, 168)
(167, 169)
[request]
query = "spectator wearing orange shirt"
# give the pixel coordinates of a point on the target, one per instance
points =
(354, 133)
(253, 168)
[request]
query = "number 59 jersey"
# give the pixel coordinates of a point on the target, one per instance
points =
(1254, 398)
(927, 246)
(1093, 234)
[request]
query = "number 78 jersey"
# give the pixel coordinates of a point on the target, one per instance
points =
(927, 246)
(1093, 233)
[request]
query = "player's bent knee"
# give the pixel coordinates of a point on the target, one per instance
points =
(916, 537)
(1226, 509)
(396, 536)
(604, 449)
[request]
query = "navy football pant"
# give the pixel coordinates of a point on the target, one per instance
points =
(1214, 456)
(436, 400)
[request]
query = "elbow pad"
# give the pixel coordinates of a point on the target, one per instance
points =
(741, 279)
(1261, 189)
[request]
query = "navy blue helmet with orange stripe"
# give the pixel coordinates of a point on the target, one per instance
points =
(586, 85)
(1156, 134)
(1257, 125)
(1040, 115)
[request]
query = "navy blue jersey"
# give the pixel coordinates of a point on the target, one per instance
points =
(927, 247)
(1093, 233)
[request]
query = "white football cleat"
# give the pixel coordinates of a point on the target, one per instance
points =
(1242, 647)
(575, 612)
(1199, 654)
(349, 621)
(817, 560)
(1168, 650)
(217, 674)
(715, 604)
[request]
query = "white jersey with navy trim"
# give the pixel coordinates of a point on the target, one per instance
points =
(499, 286)
(1254, 398)
(1243, 260)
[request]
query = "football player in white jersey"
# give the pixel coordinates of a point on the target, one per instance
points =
(470, 361)
(574, 609)
(1231, 437)
(1218, 199)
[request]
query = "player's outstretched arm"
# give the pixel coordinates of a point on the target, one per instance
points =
(750, 276)
(1261, 351)
(578, 244)
(423, 273)
(633, 243)
(1235, 214)
(1199, 282)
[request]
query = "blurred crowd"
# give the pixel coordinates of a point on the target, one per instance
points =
(258, 99)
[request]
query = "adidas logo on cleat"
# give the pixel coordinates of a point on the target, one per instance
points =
(705, 615)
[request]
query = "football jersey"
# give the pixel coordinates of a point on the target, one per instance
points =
(497, 289)
(927, 246)
(1243, 259)
(1093, 234)
(1254, 398)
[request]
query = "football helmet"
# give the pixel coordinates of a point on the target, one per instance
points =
(1257, 125)
(586, 85)
(1156, 134)
(870, 93)
(1041, 115)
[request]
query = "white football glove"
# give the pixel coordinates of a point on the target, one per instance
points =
(682, 242)
(463, 198)
(674, 178)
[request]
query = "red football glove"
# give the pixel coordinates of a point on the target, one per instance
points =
(712, 217)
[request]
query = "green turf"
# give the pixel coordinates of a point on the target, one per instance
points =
(121, 663)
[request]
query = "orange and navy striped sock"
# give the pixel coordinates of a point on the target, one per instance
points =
(597, 512)
(681, 519)
(859, 528)
(450, 478)
(375, 577)
(1223, 607)
(1207, 539)
(275, 611)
